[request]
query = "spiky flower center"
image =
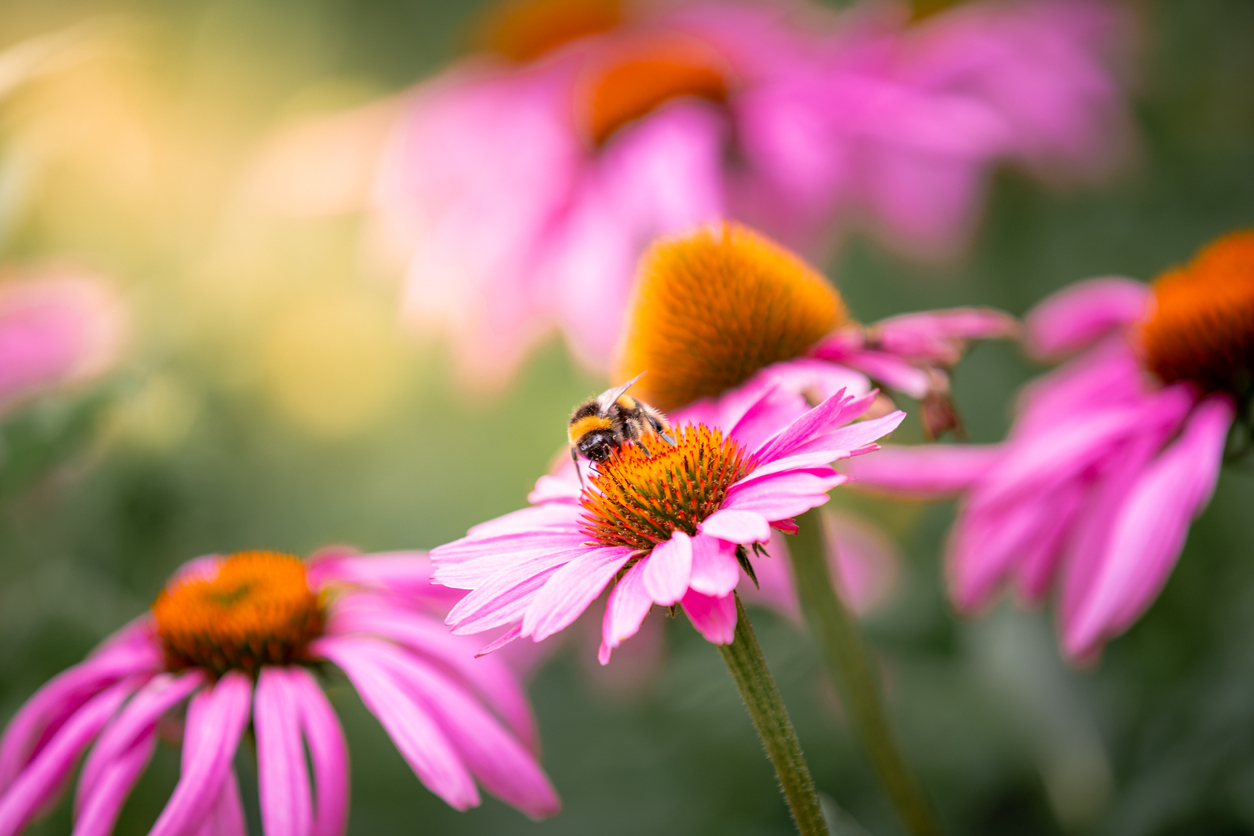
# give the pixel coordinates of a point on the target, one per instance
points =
(256, 609)
(714, 307)
(639, 75)
(523, 30)
(642, 494)
(1202, 325)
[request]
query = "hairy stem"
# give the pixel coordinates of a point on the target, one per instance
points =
(855, 675)
(757, 688)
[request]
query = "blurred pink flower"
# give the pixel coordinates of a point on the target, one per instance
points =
(235, 636)
(538, 569)
(56, 328)
(521, 194)
(1110, 456)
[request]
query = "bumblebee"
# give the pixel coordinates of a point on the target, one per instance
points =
(601, 425)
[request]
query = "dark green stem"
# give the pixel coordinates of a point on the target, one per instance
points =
(854, 671)
(757, 688)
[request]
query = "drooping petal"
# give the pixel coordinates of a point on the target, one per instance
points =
(570, 590)
(938, 336)
(506, 596)
(421, 742)
(327, 752)
(1081, 313)
(625, 611)
(226, 816)
(500, 762)
(39, 782)
(714, 618)
(216, 718)
(667, 569)
(282, 779)
(715, 571)
(96, 814)
(1151, 528)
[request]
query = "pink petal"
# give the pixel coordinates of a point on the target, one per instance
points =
(216, 718)
(1081, 313)
(97, 813)
(226, 816)
(327, 752)
(715, 571)
(496, 758)
(1151, 528)
(936, 336)
(39, 782)
(830, 414)
(714, 618)
(735, 527)
(571, 589)
(38, 720)
(864, 560)
(784, 495)
(625, 611)
(421, 742)
(667, 569)
(890, 371)
(933, 470)
(467, 563)
(505, 596)
(491, 678)
(282, 780)
(135, 722)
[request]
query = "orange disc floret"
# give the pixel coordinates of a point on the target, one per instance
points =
(642, 494)
(524, 30)
(640, 75)
(256, 609)
(1202, 325)
(714, 307)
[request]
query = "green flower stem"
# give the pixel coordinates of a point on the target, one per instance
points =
(854, 672)
(757, 688)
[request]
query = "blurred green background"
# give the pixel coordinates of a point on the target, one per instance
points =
(268, 400)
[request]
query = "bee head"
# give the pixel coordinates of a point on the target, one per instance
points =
(596, 446)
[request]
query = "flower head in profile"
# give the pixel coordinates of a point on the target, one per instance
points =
(238, 639)
(666, 524)
(57, 328)
(1111, 455)
(520, 186)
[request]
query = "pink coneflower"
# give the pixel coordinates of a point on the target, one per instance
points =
(671, 524)
(524, 183)
(239, 639)
(56, 328)
(1110, 456)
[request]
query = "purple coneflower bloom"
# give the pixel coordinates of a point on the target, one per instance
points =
(671, 524)
(1111, 455)
(56, 328)
(238, 639)
(523, 184)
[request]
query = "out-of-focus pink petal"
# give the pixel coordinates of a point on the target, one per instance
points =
(493, 681)
(43, 777)
(864, 560)
(934, 470)
(715, 571)
(96, 814)
(1081, 313)
(667, 569)
(625, 611)
(887, 369)
(407, 720)
(735, 526)
(327, 752)
(137, 720)
(504, 767)
(940, 336)
(1150, 530)
(53, 704)
(226, 816)
(714, 618)
(282, 780)
(571, 589)
(216, 718)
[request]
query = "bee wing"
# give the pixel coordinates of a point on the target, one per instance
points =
(607, 398)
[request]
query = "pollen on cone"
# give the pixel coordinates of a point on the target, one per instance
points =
(1202, 326)
(523, 30)
(642, 74)
(714, 307)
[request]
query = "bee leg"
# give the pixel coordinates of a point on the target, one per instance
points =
(574, 457)
(659, 429)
